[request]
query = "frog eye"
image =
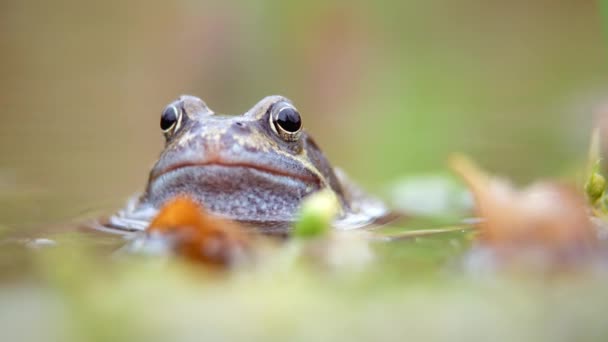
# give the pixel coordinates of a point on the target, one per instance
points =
(286, 122)
(170, 118)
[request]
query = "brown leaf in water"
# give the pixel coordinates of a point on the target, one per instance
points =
(200, 236)
(546, 224)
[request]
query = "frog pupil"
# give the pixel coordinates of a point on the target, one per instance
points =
(289, 120)
(168, 118)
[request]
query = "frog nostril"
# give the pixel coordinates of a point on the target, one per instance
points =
(241, 127)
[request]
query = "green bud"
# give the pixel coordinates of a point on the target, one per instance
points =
(595, 186)
(316, 214)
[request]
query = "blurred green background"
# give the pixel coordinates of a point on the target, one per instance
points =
(388, 88)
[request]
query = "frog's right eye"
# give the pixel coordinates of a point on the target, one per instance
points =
(170, 119)
(286, 122)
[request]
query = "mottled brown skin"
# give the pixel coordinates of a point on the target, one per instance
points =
(241, 168)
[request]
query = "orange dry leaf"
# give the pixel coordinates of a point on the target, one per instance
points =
(547, 222)
(199, 235)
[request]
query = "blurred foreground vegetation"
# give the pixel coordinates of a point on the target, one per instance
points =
(412, 290)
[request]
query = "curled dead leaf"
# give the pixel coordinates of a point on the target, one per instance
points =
(546, 224)
(200, 236)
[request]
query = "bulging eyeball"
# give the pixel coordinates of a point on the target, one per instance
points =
(170, 119)
(286, 121)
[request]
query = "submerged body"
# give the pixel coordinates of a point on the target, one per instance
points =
(254, 168)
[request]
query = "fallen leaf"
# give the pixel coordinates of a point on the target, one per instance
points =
(546, 224)
(200, 236)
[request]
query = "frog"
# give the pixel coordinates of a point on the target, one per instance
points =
(254, 168)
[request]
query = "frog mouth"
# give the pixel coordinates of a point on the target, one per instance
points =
(303, 177)
(243, 191)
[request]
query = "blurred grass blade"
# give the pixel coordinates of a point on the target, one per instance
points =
(594, 151)
(604, 17)
(410, 234)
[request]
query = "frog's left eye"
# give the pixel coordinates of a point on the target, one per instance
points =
(170, 119)
(286, 122)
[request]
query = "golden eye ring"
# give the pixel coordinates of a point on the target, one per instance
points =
(170, 119)
(286, 122)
